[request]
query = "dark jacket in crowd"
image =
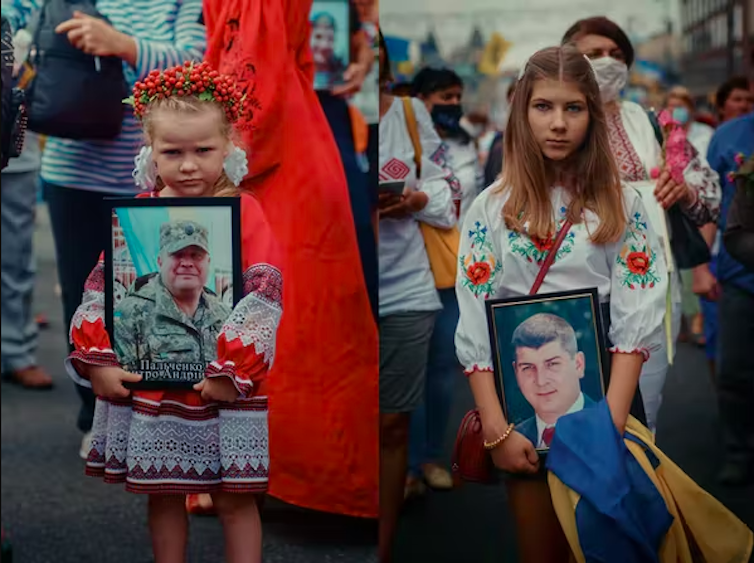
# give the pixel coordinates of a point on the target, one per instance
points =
(739, 231)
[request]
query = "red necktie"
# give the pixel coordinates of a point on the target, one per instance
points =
(547, 435)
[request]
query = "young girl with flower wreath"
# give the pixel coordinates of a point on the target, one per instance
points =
(558, 169)
(212, 439)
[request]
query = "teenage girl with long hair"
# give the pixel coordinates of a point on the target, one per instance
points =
(558, 167)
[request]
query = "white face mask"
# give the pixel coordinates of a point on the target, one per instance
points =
(612, 76)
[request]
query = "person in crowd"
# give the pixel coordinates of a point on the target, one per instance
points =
(739, 230)
(557, 125)
(344, 120)
(733, 99)
(734, 366)
(681, 104)
(494, 164)
(441, 90)
(177, 441)
(20, 330)
(367, 101)
(635, 147)
(323, 426)
(409, 302)
(77, 175)
(20, 181)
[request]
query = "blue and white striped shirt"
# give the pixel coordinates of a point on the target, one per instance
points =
(167, 33)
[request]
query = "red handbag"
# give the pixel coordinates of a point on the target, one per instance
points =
(471, 461)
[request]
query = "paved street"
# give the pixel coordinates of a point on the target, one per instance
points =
(57, 515)
(472, 525)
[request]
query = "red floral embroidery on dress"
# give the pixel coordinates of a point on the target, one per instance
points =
(265, 281)
(628, 161)
(96, 279)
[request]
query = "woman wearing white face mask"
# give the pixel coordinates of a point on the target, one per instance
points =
(636, 149)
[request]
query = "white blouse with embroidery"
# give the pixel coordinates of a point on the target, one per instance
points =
(634, 145)
(497, 263)
(406, 281)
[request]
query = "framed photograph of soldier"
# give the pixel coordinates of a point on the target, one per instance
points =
(172, 277)
(550, 358)
(330, 41)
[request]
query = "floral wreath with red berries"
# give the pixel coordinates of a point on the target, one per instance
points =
(189, 79)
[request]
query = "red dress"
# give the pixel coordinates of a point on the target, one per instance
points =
(173, 442)
(324, 386)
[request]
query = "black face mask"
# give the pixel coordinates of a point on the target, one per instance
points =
(447, 117)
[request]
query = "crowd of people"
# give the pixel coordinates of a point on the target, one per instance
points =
(330, 386)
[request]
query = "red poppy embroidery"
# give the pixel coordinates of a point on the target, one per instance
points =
(543, 245)
(638, 263)
(636, 257)
(479, 273)
(479, 265)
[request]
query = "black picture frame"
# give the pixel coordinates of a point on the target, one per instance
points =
(322, 82)
(233, 205)
(503, 318)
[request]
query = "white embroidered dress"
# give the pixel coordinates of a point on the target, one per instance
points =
(173, 442)
(495, 262)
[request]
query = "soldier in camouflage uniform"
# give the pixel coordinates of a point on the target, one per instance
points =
(154, 321)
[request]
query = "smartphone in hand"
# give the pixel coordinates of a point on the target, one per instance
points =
(395, 188)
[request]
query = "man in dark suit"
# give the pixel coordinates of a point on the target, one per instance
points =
(549, 368)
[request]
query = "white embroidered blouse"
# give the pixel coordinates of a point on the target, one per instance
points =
(634, 145)
(496, 263)
(406, 281)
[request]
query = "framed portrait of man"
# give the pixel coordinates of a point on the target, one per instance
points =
(330, 41)
(550, 358)
(172, 277)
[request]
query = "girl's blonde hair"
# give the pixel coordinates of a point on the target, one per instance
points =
(224, 187)
(525, 171)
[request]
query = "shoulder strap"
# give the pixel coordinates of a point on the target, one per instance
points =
(550, 258)
(413, 132)
(656, 126)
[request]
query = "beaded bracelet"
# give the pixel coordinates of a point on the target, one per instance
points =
(500, 440)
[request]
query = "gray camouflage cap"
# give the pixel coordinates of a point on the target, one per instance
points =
(177, 235)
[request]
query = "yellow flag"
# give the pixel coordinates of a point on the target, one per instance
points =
(405, 67)
(494, 53)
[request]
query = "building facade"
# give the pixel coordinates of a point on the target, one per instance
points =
(718, 42)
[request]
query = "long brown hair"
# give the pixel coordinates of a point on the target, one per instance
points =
(598, 186)
(224, 186)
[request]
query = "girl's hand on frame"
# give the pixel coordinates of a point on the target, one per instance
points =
(516, 455)
(107, 381)
(217, 389)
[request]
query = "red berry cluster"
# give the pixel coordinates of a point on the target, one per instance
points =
(189, 79)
